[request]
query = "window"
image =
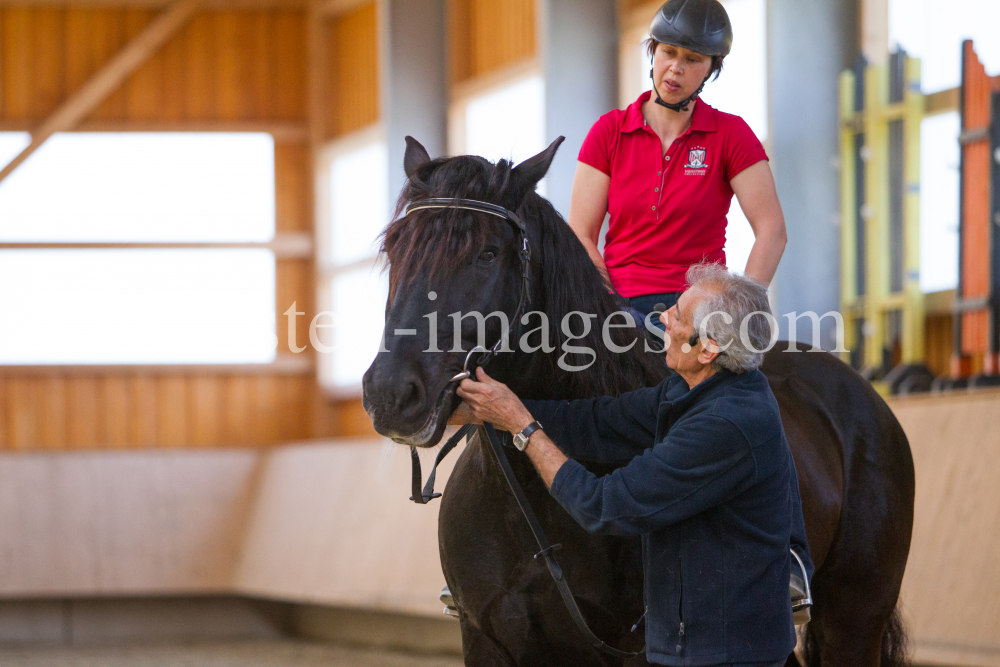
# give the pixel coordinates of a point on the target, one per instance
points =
(741, 89)
(939, 202)
(924, 31)
(107, 306)
(89, 274)
(508, 122)
(505, 122)
(355, 288)
(932, 32)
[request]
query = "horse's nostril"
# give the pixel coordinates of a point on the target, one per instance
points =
(409, 397)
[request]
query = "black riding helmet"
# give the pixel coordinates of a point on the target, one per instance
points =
(698, 25)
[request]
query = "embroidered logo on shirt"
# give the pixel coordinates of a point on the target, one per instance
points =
(696, 162)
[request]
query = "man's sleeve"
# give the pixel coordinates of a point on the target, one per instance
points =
(606, 429)
(702, 463)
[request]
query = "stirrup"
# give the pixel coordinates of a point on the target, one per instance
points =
(449, 602)
(798, 589)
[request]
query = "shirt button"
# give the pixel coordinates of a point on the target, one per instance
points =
(659, 173)
(656, 189)
(654, 208)
(667, 158)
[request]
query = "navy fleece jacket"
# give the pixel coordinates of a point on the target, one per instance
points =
(709, 483)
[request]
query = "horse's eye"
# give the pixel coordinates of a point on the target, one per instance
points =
(487, 255)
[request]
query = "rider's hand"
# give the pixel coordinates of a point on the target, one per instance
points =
(494, 402)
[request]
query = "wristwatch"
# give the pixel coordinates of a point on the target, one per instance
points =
(521, 439)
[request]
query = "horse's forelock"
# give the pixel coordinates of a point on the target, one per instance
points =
(434, 242)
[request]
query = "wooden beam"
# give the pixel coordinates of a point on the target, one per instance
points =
(108, 78)
(285, 245)
(942, 101)
(874, 30)
(285, 363)
(294, 5)
(334, 7)
(281, 131)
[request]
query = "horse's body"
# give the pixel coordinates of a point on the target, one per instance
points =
(854, 465)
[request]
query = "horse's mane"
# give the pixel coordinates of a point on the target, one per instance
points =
(438, 241)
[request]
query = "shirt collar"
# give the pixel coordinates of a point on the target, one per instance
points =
(702, 118)
(681, 396)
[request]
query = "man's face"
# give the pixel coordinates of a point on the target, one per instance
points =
(678, 321)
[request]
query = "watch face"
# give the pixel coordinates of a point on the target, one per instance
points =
(520, 441)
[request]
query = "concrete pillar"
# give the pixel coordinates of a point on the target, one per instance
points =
(578, 43)
(810, 43)
(414, 85)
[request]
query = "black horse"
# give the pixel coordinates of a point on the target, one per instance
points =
(854, 463)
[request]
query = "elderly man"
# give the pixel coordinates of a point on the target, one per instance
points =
(707, 480)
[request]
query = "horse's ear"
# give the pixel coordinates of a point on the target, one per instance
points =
(527, 174)
(415, 156)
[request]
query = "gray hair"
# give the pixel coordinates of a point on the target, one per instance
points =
(750, 329)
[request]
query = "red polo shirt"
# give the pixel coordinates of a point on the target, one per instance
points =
(667, 211)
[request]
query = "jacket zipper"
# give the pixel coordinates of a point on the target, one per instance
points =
(680, 607)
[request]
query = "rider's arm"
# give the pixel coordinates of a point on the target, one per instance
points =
(587, 207)
(755, 191)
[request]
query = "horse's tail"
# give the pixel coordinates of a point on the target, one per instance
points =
(894, 644)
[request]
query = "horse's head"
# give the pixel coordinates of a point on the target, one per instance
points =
(445, 263)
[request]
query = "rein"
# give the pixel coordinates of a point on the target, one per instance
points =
(423, 496)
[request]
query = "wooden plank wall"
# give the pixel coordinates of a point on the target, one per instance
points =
(487, 35)
(951, 594)
(352, 46)
(223, 67)
(938, 335)
(975, 224)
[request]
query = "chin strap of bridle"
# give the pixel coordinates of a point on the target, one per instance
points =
(683, 104)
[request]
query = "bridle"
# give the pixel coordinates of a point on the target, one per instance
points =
(523, 253)
(488, 432)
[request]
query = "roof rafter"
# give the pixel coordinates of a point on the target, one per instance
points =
(108, 78)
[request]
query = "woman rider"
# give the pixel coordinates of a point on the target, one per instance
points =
(666, 169)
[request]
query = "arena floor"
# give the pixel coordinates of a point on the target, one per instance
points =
(229, 654)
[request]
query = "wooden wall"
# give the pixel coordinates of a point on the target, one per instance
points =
(951, 592)
(975, 225)
(245, 69)
(223, 65)
(938, 345)
(488, 35)
(352, 99)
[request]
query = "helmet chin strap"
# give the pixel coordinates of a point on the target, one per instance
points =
(683, 104)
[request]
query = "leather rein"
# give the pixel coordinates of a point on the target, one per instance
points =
(488, 432)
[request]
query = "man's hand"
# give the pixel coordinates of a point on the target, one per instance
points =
(492, 401)
(463, 415)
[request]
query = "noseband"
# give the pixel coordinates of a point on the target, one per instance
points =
(488, 432)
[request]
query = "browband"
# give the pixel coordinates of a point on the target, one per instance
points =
(468, 205)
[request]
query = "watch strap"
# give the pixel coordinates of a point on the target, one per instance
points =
(529, 429)
(521, 439)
